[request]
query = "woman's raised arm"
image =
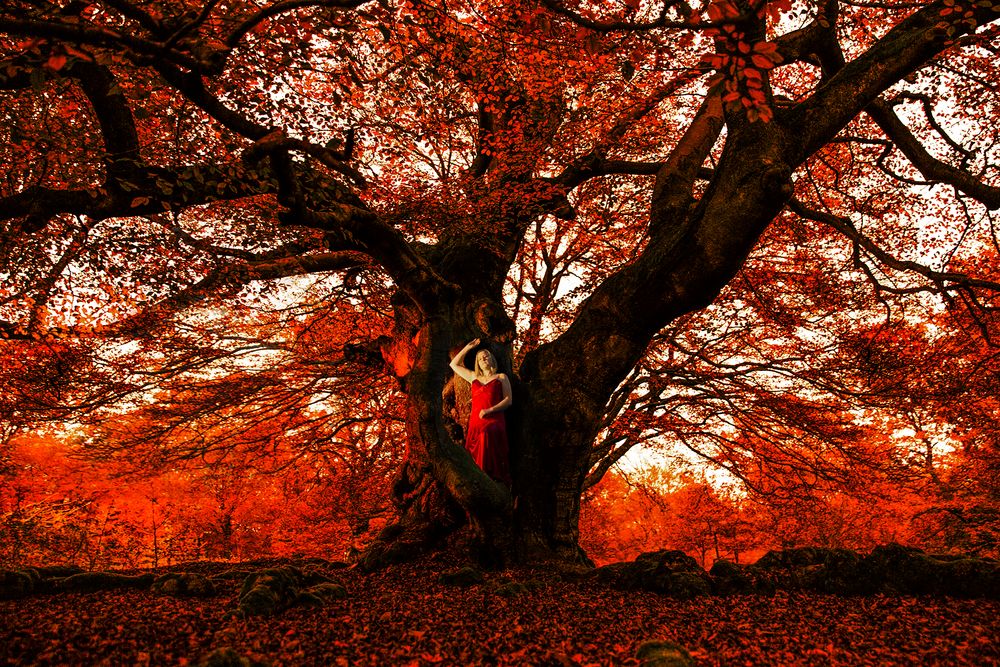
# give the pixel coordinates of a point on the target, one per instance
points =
(456, 362)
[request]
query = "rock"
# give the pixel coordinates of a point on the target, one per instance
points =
(269, 591)
(230, 575)
(260, 601)
(227, 657)
(676, 574)
(618, 575)
(88, 582)
(663, 654)
(329, 590)
(891, 569)
(15, 584)
(895, 569)
(183, 584)
(50, 571)
(273, 590)
(510, 589)
(312, 576)
(971, 577)
(673, 560)
(803, 557)
(818, 569)
(321, 595)
(572, 572)
(669, 572)
(466, 576)
(40, 579)
(683, 585)
(951, 557)
(729, 578)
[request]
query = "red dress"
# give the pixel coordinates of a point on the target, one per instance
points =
(486, 438)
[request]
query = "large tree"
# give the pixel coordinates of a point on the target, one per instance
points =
(610, 165)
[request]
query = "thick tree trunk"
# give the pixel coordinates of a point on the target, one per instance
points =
(549, 464)
(537, 521)
(441, 496)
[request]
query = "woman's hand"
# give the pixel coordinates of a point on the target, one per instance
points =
(483, 413)
(458, 360)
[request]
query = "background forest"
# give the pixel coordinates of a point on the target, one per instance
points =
(252, 449)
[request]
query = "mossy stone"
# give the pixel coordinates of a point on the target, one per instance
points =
(228, 657)
(663, 654)
(15, 584)
(183, 584)
(466, 576)
(87, 582)
(323, 594)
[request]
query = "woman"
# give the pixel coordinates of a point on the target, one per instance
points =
(486, 436)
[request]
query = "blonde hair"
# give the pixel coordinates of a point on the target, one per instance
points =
(479, 368)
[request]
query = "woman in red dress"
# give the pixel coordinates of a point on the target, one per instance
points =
(486, 436)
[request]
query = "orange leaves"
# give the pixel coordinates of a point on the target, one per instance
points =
(743, 80)
(571, 624)
(722, 10)
(769, 50)
(774, 10)
(741, 65)
(960, 15)
(59, 55)
(765, 56)
(56, 62)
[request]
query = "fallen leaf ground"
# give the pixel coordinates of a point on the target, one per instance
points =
(404, 616)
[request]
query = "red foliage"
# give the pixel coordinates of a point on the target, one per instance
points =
(189, 372)
(404, 617)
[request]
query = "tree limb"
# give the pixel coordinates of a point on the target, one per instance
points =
(943, 281)
(904, 49)
(661, 20)
(930, 167)
(274, 9)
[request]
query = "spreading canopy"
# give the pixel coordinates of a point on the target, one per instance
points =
(574, 179)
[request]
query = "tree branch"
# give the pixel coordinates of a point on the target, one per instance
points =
(81, 34)
(943, 281)
(137, 14)
(661, 20)
(672, 191)
(352, 228)
(903, 50)
(817, 42)
(142, 192)
(277, 8)
(930, 167)
(595, 162)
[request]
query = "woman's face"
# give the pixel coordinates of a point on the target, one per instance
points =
(486, 362)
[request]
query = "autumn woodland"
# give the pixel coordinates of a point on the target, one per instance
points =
(736, 263)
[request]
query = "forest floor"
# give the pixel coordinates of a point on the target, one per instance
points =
(406, 616)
